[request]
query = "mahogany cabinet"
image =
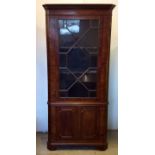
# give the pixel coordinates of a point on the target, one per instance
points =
(78, 47)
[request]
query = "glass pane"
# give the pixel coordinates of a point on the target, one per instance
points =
(89, 79)
(78, 90)
(94, 23)
(92, 93)
(62, 60)
(78, 49)
(63, 50)
(66, 79)
(69, 31)
(90, 39)
(78, 60)
(93, 60)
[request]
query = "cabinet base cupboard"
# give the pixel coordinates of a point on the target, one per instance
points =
(78, 48)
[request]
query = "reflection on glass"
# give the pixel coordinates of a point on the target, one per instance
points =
(67, 27)
(89, 79)
(85, 78)
(78, 49)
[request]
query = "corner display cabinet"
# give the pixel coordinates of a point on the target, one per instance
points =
(78, 48)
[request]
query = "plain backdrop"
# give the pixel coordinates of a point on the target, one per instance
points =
(41, 67)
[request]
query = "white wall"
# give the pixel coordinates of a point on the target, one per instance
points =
(41, 68)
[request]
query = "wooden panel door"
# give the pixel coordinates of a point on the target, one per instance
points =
(77, 123)
(89, 122)
(66, 123)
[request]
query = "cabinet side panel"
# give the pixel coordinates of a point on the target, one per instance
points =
(52, 59)
(51, 123)
(104, 57)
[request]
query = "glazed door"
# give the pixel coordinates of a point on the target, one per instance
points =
(78, 50)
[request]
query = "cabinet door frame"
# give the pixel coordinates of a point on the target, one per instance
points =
(55, 73)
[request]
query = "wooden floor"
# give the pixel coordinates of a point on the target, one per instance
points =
(112, 147)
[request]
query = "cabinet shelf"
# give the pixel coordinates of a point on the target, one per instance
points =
(78, 72)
